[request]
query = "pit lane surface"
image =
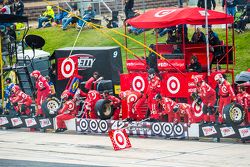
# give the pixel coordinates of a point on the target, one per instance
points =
(70, 150)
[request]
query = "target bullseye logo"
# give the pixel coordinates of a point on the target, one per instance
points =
(138, 84)
(224, 89)
(68, 67)
(173, 85)
(197, 109)
(163, 13)
(132, 98)
(120, 139)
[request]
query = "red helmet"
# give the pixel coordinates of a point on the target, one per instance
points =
(15, 88)
(35, 74)
(218, 76)
(122, 94)
(65, 95)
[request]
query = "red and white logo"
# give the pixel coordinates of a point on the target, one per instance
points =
(209, 130)
(224, 89)
(227, 131)
(16, 121)
(44, 122)
(197, 109)
(85, 61)
(244, 132)
(30, 122)
(119, 139)
(68, 67)
(164, 12)
(132, 98)
(173, 85)
(203, 13)
(3, 121)
(138, 84)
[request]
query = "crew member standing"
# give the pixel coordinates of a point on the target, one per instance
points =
(226, 94)
(208, 97)
(43, 91)
(92, 82)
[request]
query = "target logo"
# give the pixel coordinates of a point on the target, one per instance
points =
(119, 139)
(173, 85)
(68, 67)
(132, 98)
(197, 109)
(84, 124)
(178, 129)
(138, 84)
(71, 105)
(224, 89)
(163, 13)
(92, 95)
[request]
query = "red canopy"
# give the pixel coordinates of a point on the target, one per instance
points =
(167, 17)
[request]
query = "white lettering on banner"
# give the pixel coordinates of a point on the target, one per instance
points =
(30, 122)
(16, 121)
(227, 131)
(163, 13)
(208, 130)
(84, 63)
(202, 13)
(135, 64)
(244, 132)
(3, 121)
(44, 122)
(176, 64)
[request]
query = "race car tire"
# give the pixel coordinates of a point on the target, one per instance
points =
(51, 106)
(103, 109)
(233, 114)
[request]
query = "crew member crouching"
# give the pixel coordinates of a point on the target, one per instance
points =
(131, 97)
(67, 112)
(167, 106)
(20, 101)
(183, 109)
(208, 97)
(115, 102)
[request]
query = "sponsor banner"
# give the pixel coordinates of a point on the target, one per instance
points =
(3, 121)
(227, 131)
(16, 121)
(146, 129)
(224, 131)
(45, 123)
(119, 139)
(30, 122)
(244, 132)
(67, 67)
(209, 130)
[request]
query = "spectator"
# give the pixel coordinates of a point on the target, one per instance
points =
(48, 15)
(6, 8)
(198, 37)
(194, 65)
(129, 4)
(88, 15)
(152, 59)
(5, 45)
(18, 7)
(229, 6)
(210, 3)
(60, 16)
(240, 21)
(176, 49)
(70, 18)
(134, 30)
(214, 41)
(91, 83)
(171, 38)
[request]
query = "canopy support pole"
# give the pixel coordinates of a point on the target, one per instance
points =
(207, 41)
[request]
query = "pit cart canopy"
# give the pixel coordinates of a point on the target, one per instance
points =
(167, 17)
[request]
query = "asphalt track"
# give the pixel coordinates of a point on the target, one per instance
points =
(19, 148)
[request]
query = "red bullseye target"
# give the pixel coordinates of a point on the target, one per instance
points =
(120, 139)
(68, 67)
(173, 85)
(197, 109)
(138, 84)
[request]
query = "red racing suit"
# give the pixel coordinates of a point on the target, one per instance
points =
(226, 95)
(244, 99)
(67, 112)
(43, 91)
(208, 97)
(116, 103)
(89, 83)
(92, 97)
(132, 98)
(167, 106)
(23, 102)
(154, 87)
(186, 111)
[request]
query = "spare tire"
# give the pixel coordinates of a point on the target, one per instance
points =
(51, 106)
(233, 114)
(103, 109)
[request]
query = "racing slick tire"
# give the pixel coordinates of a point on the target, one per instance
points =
(51, 106)
(233, 114)
(103, 109)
